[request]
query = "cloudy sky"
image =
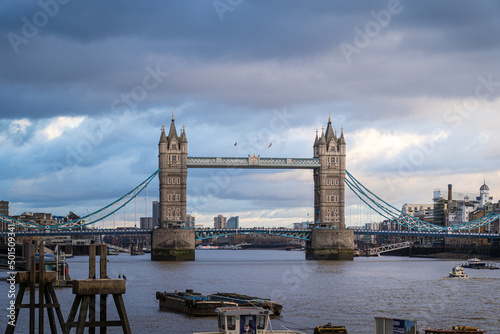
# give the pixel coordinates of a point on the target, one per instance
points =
(85, 87)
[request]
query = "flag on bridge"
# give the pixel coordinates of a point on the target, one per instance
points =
(236, 143)
(270, 145)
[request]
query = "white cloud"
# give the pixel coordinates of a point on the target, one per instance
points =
(373, 144)
(59, 125)
(19, 126)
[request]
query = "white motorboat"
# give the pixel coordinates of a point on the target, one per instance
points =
(246, 320)
(457, 271)
(475, 263)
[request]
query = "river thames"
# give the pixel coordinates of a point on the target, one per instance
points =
(313, 293)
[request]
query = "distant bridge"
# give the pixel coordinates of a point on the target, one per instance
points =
(302, 234)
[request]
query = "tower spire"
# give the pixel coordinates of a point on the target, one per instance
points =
(329, 131)
(163, 136)
(173, 131)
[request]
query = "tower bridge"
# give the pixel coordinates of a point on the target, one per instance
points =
(332, 242)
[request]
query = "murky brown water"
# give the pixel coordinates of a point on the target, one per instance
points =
(313, 293)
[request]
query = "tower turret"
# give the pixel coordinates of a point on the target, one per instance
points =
(316, 146)
(341, 142)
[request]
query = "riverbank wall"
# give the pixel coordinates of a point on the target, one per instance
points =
(449, 251)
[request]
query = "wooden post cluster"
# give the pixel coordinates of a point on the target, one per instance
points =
(45, 281)
(85, 292)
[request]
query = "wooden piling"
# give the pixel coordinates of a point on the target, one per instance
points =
(32, 288)
(41, 289)
(103, 274)
(85, 292)
(92, 261)
(47, 296)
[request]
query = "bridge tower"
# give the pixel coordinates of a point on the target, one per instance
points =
(329, 187)
(173, 177)
(330, 240)
(171, 242)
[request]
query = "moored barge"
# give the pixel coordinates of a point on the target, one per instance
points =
(191, 303)
(196, 304)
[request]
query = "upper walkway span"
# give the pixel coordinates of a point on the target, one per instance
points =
(253, 162)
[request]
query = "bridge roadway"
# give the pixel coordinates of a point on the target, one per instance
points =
(303, 234)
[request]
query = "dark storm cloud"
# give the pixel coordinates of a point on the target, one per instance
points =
(263, 54)
(228, 81)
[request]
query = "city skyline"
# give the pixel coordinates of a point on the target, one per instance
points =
(414, 85)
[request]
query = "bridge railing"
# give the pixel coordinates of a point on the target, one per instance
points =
(303, 234)
(293, 233)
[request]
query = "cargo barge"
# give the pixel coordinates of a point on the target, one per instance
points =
(196, 304)
(190, 302)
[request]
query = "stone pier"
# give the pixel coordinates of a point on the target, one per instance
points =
(173, 244)
(330, 244)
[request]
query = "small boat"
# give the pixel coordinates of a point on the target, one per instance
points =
(244, 300)
(246, 320)
(455, 330)
(57, 262)
(207, 247)
(190, 302)
(458, 271)
(329, 329)
(475, 263)
(112, 251)
(136, 249)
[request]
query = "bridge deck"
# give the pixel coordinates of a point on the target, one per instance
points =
(292, 233)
